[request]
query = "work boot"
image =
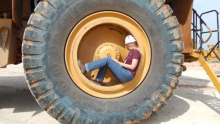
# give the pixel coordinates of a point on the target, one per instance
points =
(82, 67)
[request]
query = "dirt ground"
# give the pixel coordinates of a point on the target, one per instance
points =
(195, 101)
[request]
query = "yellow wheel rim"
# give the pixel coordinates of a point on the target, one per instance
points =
(102, 34)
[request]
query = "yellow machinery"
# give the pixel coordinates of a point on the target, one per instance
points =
(200, 57)
(213, 54)
(49, 36)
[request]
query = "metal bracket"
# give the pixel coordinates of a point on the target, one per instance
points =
(210, 72)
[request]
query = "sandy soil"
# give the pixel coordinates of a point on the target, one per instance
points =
(195, 101)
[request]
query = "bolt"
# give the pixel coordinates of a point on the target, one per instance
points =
(109, 55)
(5, 15)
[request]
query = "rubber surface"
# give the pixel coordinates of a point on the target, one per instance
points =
(43, 58)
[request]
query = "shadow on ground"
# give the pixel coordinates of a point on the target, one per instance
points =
(15, 94)
(177, 106)
(200, 91)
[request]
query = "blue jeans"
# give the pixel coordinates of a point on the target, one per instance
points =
(122, 74)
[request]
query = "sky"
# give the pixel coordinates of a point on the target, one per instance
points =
(206, 5)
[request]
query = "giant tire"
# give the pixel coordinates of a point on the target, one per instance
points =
(55, 91)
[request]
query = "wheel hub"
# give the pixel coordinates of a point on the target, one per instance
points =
(107, 50)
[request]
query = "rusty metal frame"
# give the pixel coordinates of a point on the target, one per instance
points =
(17, 9)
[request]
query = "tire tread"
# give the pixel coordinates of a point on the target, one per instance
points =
(156, 4)
(34, 34)
(47, 98)
(38, 21)
(45, 9)
(35, 74)
(164, 12)
(171, 22)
